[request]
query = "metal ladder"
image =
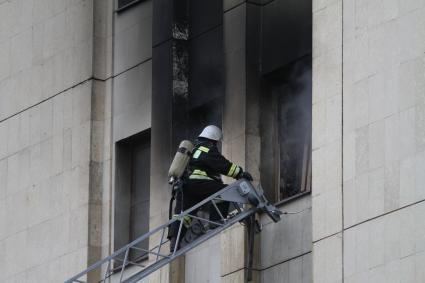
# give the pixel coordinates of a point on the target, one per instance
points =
(119, 268)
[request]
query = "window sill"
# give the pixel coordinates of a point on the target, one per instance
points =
(125, 7)
(291, 199)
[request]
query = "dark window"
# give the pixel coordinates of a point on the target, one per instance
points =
(132, 192)
(285, 51)
(286, 32)
(294, 134)
(124, 4)
(286, 123)
(139, 198)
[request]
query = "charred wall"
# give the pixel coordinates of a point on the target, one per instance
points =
(187, 86)
(237, 53)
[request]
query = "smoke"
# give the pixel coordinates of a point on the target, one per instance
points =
(295, 101)
(294, 125)
(286, 123)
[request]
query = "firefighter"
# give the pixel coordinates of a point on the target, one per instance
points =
(204, 176)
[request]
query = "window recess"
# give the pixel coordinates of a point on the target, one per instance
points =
(286, 131)
(132, 190)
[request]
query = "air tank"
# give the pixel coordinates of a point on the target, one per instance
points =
(180, 161)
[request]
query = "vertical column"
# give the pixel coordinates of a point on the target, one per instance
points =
(242, 143)
(235, 84)
(327, 141)
(234, 132)
(252, 131)
(384, 156)
(169, 101)
(100, 141)
(179, 98)
(161, 120)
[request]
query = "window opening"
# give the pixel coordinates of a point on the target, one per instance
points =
(132, 190)
(139, 196)
(294, 136)
(286, 131)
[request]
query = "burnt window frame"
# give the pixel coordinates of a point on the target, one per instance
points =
(271, 162)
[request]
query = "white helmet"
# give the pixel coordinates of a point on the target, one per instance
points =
(211, 132)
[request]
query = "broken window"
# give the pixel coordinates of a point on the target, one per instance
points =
(294, 134)
(286, 123)
(132, 192)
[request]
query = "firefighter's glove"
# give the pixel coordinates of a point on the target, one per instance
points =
(245, 175)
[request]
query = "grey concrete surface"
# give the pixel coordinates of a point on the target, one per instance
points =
(132, 101)
(39, 42)
(42, 208)
(133, 37)
(382, 153)
(288, 239)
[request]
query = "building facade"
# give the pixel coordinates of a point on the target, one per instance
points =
(322, 101)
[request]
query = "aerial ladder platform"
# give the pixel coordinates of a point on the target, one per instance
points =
(245, 201)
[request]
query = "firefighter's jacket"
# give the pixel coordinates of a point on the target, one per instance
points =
(207, 163)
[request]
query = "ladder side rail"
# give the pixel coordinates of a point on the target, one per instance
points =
(211, 233)
(154, 267)
(122, 250)
(118, 252)
(144, 237)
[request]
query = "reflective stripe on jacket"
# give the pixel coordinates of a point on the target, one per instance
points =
(207, 163)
